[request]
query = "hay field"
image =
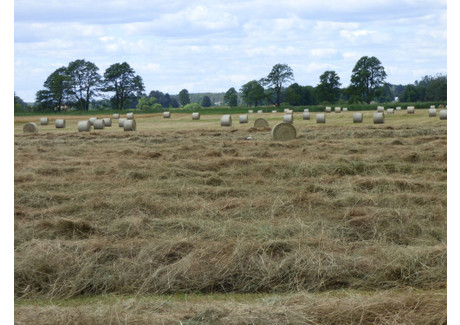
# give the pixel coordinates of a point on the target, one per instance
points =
(185, 222)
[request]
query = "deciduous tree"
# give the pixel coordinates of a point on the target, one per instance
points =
(252, 93)
(280, 74)
(184, 97)
(84, 83)
(367, 76)
(328, 89)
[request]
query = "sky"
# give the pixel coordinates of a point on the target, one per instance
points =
(210, 46)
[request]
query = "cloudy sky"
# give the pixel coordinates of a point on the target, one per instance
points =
(214, 45)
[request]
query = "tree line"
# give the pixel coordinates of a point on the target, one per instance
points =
(79, 84)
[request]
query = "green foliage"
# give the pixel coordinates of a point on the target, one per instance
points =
(163, 99)
(328, 89)
(19, 104)
(84, 82)
(231, 97)
(299, 95)
(367, 76)
(57, 89)
(147, 103)
(184, 97)
(206, 102)
(280, 74)
(120, 78)
(174, 103)
(252, 93)
(192, 106)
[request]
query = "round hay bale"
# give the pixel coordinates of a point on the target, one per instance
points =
(129, 125)
(44, 121)
(129, 116)
(121, 121)
(432, 112)
(116, 116)
(443, 114)
(288, 118)
(260, 111)
(410, 110)
(261, 123)
(328, 109)
(84, 126)
(59, 123)
(195, 116)
(345, 109)
(30, 127)
(286, 110)
(166, 114)
(320, 118)
(432, 106)
(250, 111)
(226, 120)
(99, 125)
(306, 110)
(283, 132)
(107, 121)
(92, 119)
(306, 115)
(390, 110)
(357, 117)
(274, 111)
(337, 109)
(440, 106)
(243, 119)
(380, 109)
(398, 108)
(379, 118)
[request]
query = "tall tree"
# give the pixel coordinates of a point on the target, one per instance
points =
(367, 76)
(19, 104)
(252, 93)
(206, 102)
(85, 82)
(298, 95)
(57, 90)
(121, 79)
(328, 89)
(184, 97)
(280, 74)
(409, 94)
(231, 97)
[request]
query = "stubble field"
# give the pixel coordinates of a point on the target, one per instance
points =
(185, 222)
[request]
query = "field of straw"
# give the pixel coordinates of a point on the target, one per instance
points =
(186, 222)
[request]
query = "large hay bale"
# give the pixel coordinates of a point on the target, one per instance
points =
(92, 119)
(357, 117)
(380, 109)
(99, 125)
(398, 108)
(44, 121)
(432, 112)
(443, 114)
(84, 126)
(288, 118)
(166, 114)
(410, 110)
(30, 127)
(283, 132)
(306, 115)
(226, 120)
(107, 121)
(243, 119)
(129, 116)
(328, 109)
(129, 125)
(116, 116)
(337, 109)
(379, 118)
(195, 116)
(261, 123)
(321, 118)
(59, 123)
(390, 110)
(121, 121)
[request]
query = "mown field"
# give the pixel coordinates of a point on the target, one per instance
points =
(185, 222)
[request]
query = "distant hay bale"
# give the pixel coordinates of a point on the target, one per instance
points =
(129, 116)
(432, 106)
(321, 118)
(261, 123)
(328, 109)
(226, 120)
(398, 108)
(379, 118)
(107, 121)
(129, 125)
(44, 121)
(286, 110)
(166, 114)
(440, 106)
(345, 109)
(250, 111)
(99, 124)
(92, 119)
(357, 117)
(121, 121)
(195, 116)
(306, 110)
(337, 109)
(410, 110)
(443, 114)
(306, 115)
(116, 116)
(30, 127)
(432, 112)
(274, 111)
(59, 123)
(390, 110)
(243, 119)
(288, 118)
(380, 109)
(283, 132)
(260, 111)
(84, 126)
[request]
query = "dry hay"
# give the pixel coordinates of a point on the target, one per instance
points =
(357, 117)
(129, 125)
(195, 116)
(59, 123)
(243, 119)
(284, 132)
(44, 121)
(30, 127)
(226, 120)
(261, 123)
(443, 114)
(432, 112)
(321, 118)
(260, 111)
(379, 118)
